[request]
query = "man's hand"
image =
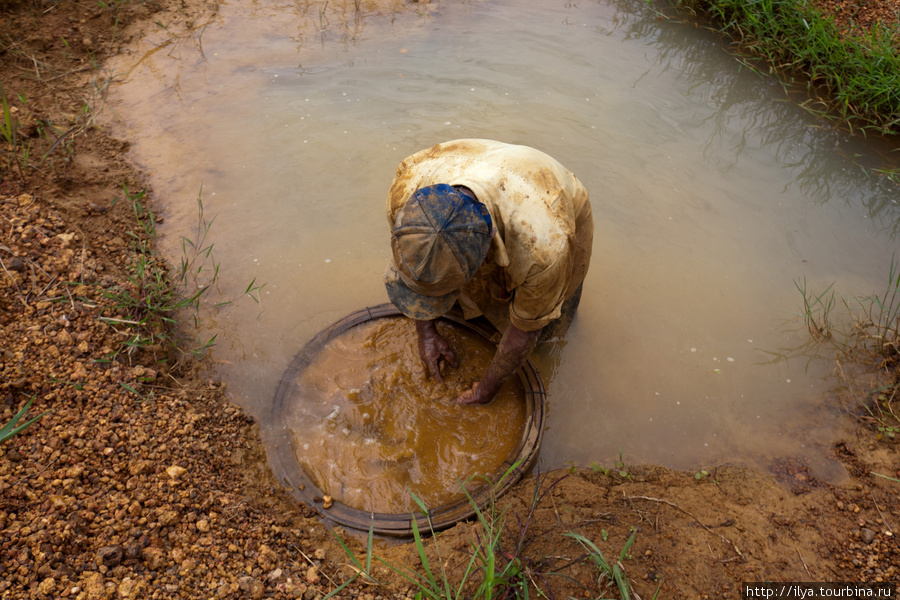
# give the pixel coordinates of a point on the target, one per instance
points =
(478, 394)
(433, 348)
(515, 346)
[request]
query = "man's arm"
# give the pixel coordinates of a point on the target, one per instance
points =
(432, 348)
(515, 347)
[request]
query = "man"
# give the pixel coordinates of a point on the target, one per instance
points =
(505, 231)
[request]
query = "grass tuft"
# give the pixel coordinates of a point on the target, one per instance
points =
(608, 571)
(146, 307)
(866, 333)
(497, 565)
(9, 129)
(855, 75)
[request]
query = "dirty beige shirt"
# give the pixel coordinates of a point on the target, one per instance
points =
(542, 247)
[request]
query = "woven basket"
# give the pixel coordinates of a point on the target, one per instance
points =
(302, 488)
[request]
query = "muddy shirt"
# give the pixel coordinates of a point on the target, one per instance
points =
(542, 247)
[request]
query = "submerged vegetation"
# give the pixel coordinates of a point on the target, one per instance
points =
(865, 332)
(155, 296)
(852, 73)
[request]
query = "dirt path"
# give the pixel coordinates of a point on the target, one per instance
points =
(144, 482)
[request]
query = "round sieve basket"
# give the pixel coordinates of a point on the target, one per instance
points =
(303, 489)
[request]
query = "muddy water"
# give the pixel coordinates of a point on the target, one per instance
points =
(713, 195)
(369, 428)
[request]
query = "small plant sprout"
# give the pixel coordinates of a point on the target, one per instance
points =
(9, 130)
(598, 468)
(608, 572)
(701, 474)
(622, 468)
(889, 432)
(9, 125)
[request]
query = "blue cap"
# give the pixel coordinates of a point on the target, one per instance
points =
(440, 238)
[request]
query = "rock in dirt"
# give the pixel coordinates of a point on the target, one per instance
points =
(110, 556)
(175, 472)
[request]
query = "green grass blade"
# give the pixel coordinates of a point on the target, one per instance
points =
(9, 125)
(420, 548)
(621, 582)
(414, 578)
(627, 546)
(593, 551)
(9, 430)
(885, 477)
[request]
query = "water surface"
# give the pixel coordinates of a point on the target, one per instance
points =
(712, 196)
(370, 428)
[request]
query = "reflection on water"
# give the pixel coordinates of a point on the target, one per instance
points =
(712, 194)
(752, 112)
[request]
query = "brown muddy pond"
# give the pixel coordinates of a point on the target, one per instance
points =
(714, 194)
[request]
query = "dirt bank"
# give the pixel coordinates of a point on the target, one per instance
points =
(142, 481)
